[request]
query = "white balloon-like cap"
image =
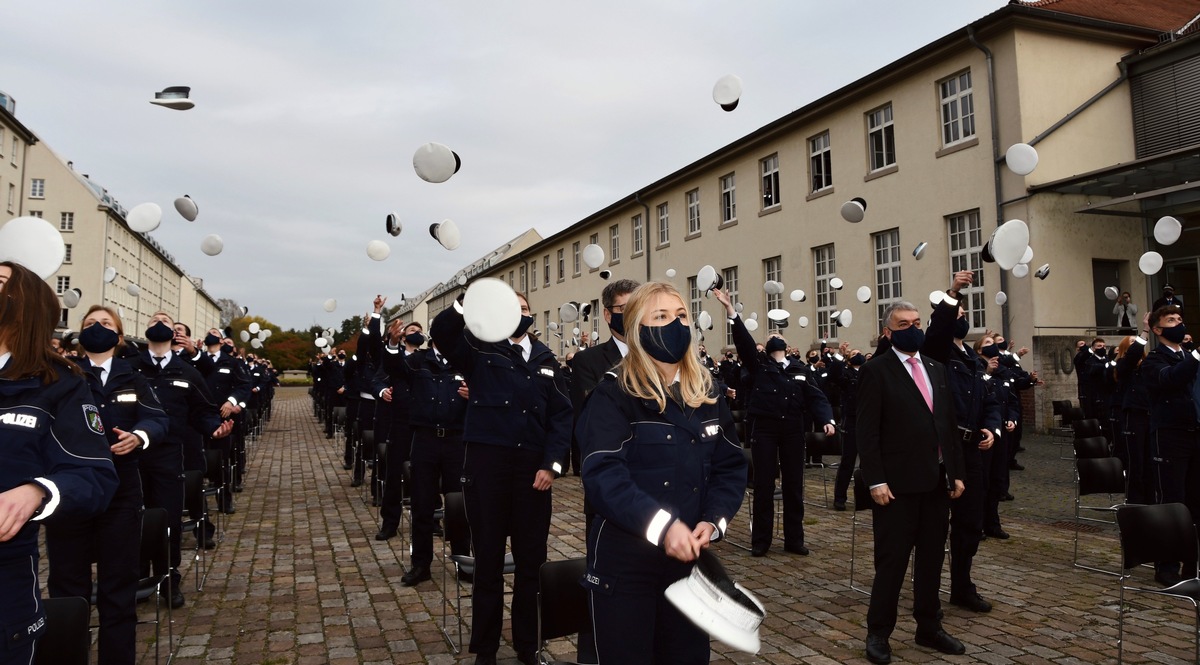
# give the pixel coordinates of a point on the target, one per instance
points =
(491, 310)
(1150, 263)
(1009, 242)
(110, 273)
(392, 225)
(750, 324)
(568, 312)
(71, 298)
(671, 273)
(1001, 297)
(245, 335)
(187, 208)
(798, 296)
(462, 280)
(1043, 272)
(854, 210)
(174, 97)
(435, 162)
(446, 233)
(846, 318)
(254, 327)
(1167, 230)
(34, 243)
(1111, 292)
(864, 294)
(1021, 159)
(133, 290)
(144, 217)
(256, 343)
(212, 244)
(1027, 256)
(1020, 270)
(321, 343)
(708, 279)
(593, 256)
(836, 283)
(919, 250)
(378, 250)
(803, 321)
(704, 321)
(727, 92)
(330, 304)
(778, 315)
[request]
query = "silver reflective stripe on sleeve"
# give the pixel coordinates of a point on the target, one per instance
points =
(657, 525)
(49, 485)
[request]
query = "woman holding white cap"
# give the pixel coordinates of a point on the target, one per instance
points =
(664, 473)
(55, 463)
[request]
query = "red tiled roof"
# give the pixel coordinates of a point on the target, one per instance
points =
(1162, 15)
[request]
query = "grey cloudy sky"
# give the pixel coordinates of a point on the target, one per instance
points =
(308, 113)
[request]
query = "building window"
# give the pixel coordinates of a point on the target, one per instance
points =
(731, 289)
(825, 265)
(693, 210)
(67, 256)
(35, 213)
(882, 138)
(511, 284)
(770, 181)
(728, 200)
(546, 322)
(562, 264)
(773, 273)
(66, 221)
(546, 270)
(14, 152)
(614, 243)
(533, 274)
(958, 108)
(638, 234)
(63, 285)
(664, 225)
(63, 315)
(887, 270)
(12, 196)
(37, 188)
(694, 302)
(2, 141)
(575, 256)
(966, 241)
(524, 280)
(820, 162)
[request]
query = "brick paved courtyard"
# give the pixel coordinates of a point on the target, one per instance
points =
(299, 578)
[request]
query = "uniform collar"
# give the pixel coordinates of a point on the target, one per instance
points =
(621, 346)
(4, 359)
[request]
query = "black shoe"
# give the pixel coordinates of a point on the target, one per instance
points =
(176, 597)
(237, 489)
(328, 436)
(973, 602)
(346, 466)
(1167, 578)
(878, 650)
(941, 641)
(356, 483)
(210, 544)
(1016, 466)
(415, 576)
(464, 576)
(437, 529)
(996, 533)
(386, 532)
(376, 502)
(796, 549)
(839, 506)
(1020, 449)
(527, 658)
(758, 551)
(481, 659)
(1007, 497)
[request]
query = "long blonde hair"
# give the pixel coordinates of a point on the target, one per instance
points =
(637, 373)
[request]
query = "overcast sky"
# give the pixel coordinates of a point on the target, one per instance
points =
(308, 113)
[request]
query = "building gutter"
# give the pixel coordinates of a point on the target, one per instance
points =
(637, 196)
(996, 158)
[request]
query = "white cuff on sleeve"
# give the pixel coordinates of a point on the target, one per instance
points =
(1141, 341)
(233, 401)
(374, 315)
(556, 468)
(657, 526)
(144, 437)
(51, 505)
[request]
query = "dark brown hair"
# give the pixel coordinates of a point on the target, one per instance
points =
(28, 314)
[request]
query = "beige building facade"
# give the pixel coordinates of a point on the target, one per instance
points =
(922, 141)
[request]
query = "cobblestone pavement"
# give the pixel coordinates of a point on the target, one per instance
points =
(299, 578)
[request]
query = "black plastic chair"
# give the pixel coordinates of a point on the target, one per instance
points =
(1163, 532)
(562, 603)
(1091, 447)
(862, 501)
(195, 501)
(819, 445)
(67, 639)
(457, 530)
(1104, 475)
(156, 545)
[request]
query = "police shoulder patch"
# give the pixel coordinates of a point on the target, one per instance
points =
(91, 416)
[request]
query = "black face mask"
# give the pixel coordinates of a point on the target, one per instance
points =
(616, 322)
(812, 360)
(857, 359)
(98, 339)
(1175, 334)
(961, 327)
(990, 351)
(160, 332)
(667, 343)
(1003, 346)
(211, 340)
(414, 339)
(526, 321)
(908, 340)
(775, 344)
(227, 349)
(1100, 353)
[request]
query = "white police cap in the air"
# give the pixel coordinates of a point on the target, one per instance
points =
(1020, 270)
(864, 294)
(330, 304)
(704, 321)
(836, 283)
(568, 312)
(1042, 272)
(1001, 297)
(773, 288)
(187, 208)
(1008, 244)
(256, 343)
(110, 273)
(1150, 263)
(71, 298)
(919, 250)
(243, 310)
(717, 605)
(446, 233)
(1111, 292)
(1027, 256)
(254, 327)
(1021, 159)
(605, 274)
(798, 296)
(778, 315)
(244, 335)
(144, 217)
(133, 290)
(392, 225)
(727, 91)
(671, 273)
(435, 162)
(378, 250)
(174, 97)
(854, 210)
(212, 244)
(708, 279)
(593, 256)
(846, 318)
(803, 321)
(34, 243)
(751, 324)
(1167, 230)
(491, 309)
(321, 342)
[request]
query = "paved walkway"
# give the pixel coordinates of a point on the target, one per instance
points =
(299, 578)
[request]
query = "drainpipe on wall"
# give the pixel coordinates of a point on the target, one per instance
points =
(996, 159)
(637, 196)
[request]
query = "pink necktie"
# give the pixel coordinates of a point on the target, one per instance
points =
(919, 379)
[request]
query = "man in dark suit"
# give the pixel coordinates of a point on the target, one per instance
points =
(912, 463)
(1168, 299)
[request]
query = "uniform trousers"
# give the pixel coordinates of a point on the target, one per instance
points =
(21, 611)
(845, 472)
(162, 487)
(995, 476)
(113, 540)
(351, 428)
(777, 446)
(1143, 481)
(915, 520)
(364, 419)
(1179, 473)
(633, 621)
(399, 445)
(502, 504)
(966, 522)
(437, 464)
